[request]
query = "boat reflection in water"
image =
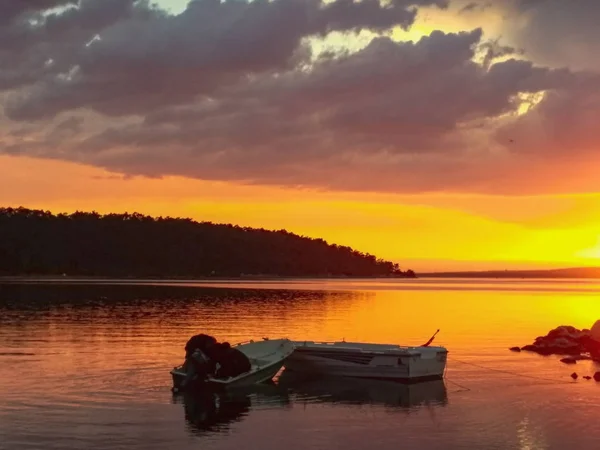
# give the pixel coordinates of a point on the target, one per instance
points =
(215, 412)
(360, 391)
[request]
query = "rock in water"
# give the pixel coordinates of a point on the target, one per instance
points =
(574, 375)
(595, 331)
(597, 376)
(515, 349)
(569, 360)
(568, 340)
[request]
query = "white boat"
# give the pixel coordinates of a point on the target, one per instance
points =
(362, 360)
(267, 357)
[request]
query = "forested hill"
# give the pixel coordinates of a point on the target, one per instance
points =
(34, 242)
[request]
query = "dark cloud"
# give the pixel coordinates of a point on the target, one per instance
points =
(145, 62)
(396, 116)
(12, 9)
(399, 97)
(69, 126)
(229, 91)
(368, 100)
(36, 47)
(563, 125)
(493, 50)
(559, 32)
(475, 6)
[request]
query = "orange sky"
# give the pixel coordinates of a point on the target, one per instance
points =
(427, 232)
(423, 231)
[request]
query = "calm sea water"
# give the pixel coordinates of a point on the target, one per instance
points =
(86, 366)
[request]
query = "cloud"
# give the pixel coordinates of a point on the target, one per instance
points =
(10, 9)
(38, 45)
(230, 91)
(475, 6)
(146, 61)
(563, 124)
(558, 32)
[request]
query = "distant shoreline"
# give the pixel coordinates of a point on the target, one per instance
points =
(58, 278)
(567, 273)
(564, 274)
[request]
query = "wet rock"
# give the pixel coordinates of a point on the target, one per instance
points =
(595, 330)
(548, 348)
(574, 375)
(579, 357)
(568, 340)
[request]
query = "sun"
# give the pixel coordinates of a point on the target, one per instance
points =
(591, 252)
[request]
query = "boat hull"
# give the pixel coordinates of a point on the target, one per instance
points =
(256, 377)
(267, 358)
(401, 368)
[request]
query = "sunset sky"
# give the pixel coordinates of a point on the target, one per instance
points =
(438, 134)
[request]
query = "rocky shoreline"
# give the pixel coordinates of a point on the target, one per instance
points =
(564, 340)
(570, 342)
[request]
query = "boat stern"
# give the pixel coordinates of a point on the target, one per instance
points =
(177, 376)
(427, 363)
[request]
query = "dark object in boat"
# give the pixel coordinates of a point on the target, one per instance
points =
(232, 362)
(574, 375)
(197, 368)
(515, 349)
(199, 341)
(597, 376)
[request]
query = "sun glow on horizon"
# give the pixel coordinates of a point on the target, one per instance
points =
(435, 232)
(592, 252)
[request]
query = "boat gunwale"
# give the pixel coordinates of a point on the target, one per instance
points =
(355, 347)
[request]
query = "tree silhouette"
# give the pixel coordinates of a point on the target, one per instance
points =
(36, 242)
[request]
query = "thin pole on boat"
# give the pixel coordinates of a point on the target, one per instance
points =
(431, 339)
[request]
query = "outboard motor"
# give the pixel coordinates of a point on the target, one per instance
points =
(205, 357)
(198, 365)
(198, 368)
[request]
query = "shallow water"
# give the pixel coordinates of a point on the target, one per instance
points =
(85, 365)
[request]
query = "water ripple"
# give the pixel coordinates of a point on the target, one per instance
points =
(86, 366)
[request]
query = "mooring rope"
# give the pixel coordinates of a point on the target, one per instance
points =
(517, 374)
(462, 387)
